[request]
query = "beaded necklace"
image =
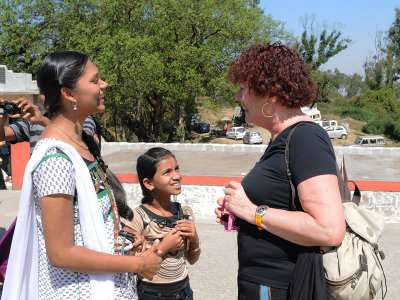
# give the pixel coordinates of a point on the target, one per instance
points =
(115, 214)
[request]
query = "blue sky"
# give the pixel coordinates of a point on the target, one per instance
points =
(359, 20)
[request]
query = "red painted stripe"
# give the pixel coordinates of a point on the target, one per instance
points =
(128, 178)
(209, 180)
(378, 186)
(382, 186)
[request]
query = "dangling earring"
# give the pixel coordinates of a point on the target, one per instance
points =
(75, 105)
(268, 116)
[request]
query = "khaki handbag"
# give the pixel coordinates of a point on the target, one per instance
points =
(353, 269)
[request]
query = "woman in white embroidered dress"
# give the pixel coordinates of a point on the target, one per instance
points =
(69, 263)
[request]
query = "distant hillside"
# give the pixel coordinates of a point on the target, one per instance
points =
(219, 116)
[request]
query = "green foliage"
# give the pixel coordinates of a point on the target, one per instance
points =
(29, 30)
(383, 101)
(317, 49)
(392, 130)
(383, 69)
(335, 84)
(355, 85)
(357, 113)
(394, 45)
(375, 126)
(387, 126)
(157, 56)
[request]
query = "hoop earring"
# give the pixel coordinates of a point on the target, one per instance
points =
(75, 105)
(268, 116)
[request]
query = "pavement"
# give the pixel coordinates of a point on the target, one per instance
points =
(213, 277)
(238, 164)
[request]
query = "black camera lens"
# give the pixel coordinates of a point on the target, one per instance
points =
(129, 236)
(8, 108)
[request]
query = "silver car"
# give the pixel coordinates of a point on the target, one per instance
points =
(236, 133)
(337, 132)
(252, 137)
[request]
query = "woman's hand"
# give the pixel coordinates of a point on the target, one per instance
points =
(218, 210)
(237, 202)
(151, 259)
(172, 242)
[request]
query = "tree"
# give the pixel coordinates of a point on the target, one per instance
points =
(29, 30)
(318, 47)
(160, 56)
(157, 56)
(355, 85)
(383, 69)
(394, 47)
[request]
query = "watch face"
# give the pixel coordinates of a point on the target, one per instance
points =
(261, 209)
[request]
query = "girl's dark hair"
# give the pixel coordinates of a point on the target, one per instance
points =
(146, 167)
(119, 193)
(59, 69)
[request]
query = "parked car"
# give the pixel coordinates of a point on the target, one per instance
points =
(201, 127)
(252, 137)
(369, 141)
(337, 132)
(326, 123)
(236, 133)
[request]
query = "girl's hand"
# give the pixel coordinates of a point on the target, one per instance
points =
(187, 229)
(237, 202)
(172, 242)
(140, 242)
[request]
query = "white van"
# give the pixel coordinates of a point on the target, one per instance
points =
(314, 113)
(326, 123)
(369, 141)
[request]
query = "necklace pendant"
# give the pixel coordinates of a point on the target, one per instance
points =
(116, 245)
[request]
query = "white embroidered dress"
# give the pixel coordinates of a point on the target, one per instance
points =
(56, 175)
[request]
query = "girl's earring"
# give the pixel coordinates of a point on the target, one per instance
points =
(75, 105)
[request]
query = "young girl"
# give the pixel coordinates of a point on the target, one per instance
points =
(68, 229)
(173, 224)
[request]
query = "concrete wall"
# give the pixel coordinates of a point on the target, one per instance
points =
(18, 83)
(202, 199)
(108, 148)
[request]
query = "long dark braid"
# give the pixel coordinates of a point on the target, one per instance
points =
(119, 193)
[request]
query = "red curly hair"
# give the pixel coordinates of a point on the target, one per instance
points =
(275, 70)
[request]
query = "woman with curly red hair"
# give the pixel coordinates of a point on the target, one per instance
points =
(274, 84)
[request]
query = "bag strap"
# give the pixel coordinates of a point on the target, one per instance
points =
(344, 190)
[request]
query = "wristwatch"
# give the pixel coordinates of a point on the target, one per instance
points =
(260, 212)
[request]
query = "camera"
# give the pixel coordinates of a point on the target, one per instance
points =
(185, 217)
(9, 108)
(127, 235)
(228, 220)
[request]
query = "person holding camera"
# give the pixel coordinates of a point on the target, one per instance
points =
(29, 122)
(160, 218)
